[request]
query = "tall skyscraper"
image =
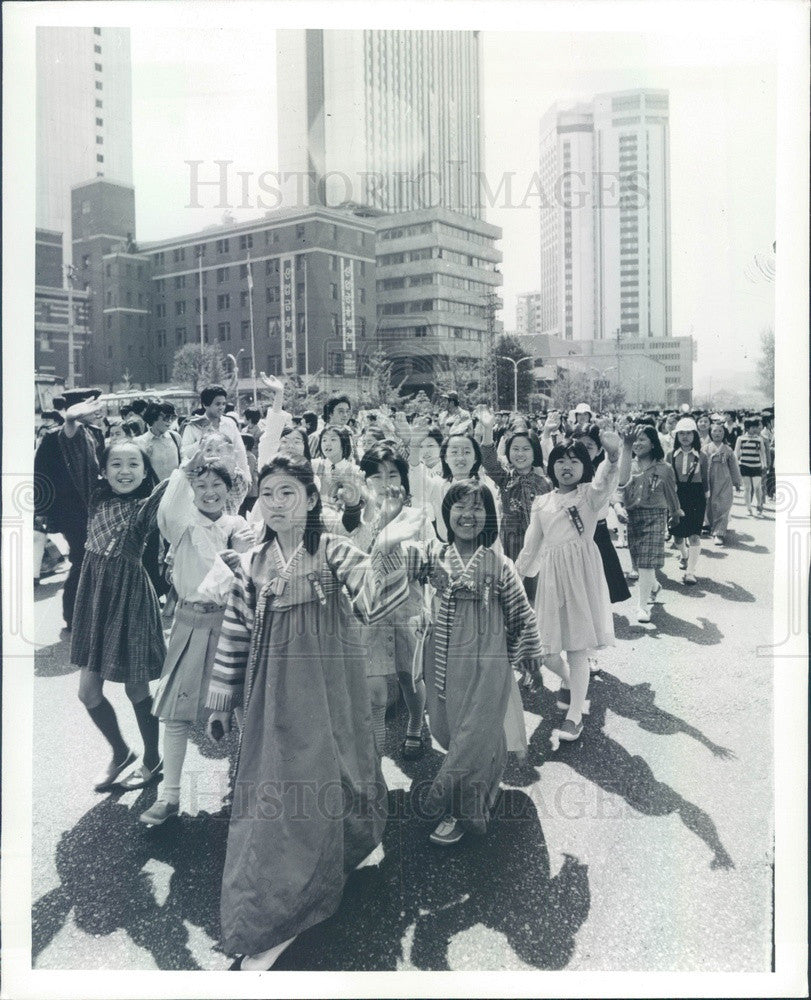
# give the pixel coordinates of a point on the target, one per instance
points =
(384, 119)
(605, 239)
(84, 117)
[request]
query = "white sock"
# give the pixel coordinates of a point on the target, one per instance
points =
(175, 740)
(692, 558)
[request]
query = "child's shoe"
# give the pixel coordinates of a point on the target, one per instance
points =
(159, 812)
(448, 833)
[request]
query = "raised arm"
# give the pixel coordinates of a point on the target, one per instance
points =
(176, 510)
(607, 477)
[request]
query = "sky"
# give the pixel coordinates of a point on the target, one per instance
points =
(218, 102)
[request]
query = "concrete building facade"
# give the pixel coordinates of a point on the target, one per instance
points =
(438, 275)
(84, 117)
(605, 224)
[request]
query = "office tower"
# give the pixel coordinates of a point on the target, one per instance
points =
(385, 119)
(84, 117)
(528, 312)
(605, 237)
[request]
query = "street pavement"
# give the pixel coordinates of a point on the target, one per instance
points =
(646, 845)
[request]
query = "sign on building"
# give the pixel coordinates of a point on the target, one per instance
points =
(287, 278)
(348, 303)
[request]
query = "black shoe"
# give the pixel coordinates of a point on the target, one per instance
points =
(236, 965)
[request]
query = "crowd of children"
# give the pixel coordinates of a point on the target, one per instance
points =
(306, 564)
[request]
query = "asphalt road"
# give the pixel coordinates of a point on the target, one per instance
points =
(646, 845)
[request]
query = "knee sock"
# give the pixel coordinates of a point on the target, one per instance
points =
(579, 669)
(175, 740)
(415, 703)
(379, 727)
(103, 715)
(692, 558)
(647, 579)
(148, 725)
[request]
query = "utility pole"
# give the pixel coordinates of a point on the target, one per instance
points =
(70, 274)
(253, 341)
(199, 254)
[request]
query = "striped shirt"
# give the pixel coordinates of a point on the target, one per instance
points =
(374, 585)
(750, 451)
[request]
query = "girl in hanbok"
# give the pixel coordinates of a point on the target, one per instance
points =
(572, 602)
(483, 628)
(724, 476)
(309, 799)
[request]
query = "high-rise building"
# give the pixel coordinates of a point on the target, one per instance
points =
(605, 228)
(528, 313)
(84, 117)
(385, 119)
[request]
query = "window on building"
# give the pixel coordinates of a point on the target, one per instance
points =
(245, 329)
(109, 350)
(99, 104)
(224, 331)
(245, 367)
(222, 246)
(197, 305)
(243, 300)
(333, 262)
(97, 31)
(180, 335)
(361, 327)
(276, 236)
(300, 290)
(97, 49)
(98, 85)
(180, 308)
(99, 158)
(362, 268)
(363, 296)
(299, 230)
(224, 301)
(222, 275)
(246, 241)
(270, 295)
(243, 270)
(335, 232)
(98, 67)
(99, 122)
(180, 281)
(333, 288)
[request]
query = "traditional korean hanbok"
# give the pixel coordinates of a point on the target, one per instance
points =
(309, 798)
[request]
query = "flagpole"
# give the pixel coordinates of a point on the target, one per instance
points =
(253, 342)
(200, 293)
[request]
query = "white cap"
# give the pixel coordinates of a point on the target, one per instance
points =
(583, 408)
(685, 424)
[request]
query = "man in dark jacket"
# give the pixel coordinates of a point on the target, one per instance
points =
(66, 469)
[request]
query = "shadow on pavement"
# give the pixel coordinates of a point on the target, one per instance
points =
(406, 912)
(705, 633)
(54, 660)
(706, 585)
(100, 863)
(606, 763)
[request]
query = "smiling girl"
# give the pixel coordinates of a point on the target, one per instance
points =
(289, 652)
(191, 518)
(484, 627)
(117, 634)
(572, 604)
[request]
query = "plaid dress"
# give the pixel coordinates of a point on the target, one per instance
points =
(117, 630)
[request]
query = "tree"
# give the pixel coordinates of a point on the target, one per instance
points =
(509, 347)
(466, 377)
(196, 367)
(765, 372)
(377, 380)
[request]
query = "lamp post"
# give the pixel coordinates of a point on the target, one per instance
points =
(515, 364)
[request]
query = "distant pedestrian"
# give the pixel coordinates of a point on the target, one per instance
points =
(689, 465)
(750, 451)
(724, 477)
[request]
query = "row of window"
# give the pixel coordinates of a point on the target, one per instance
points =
(246, 242)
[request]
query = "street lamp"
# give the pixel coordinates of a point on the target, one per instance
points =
(515, 364)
